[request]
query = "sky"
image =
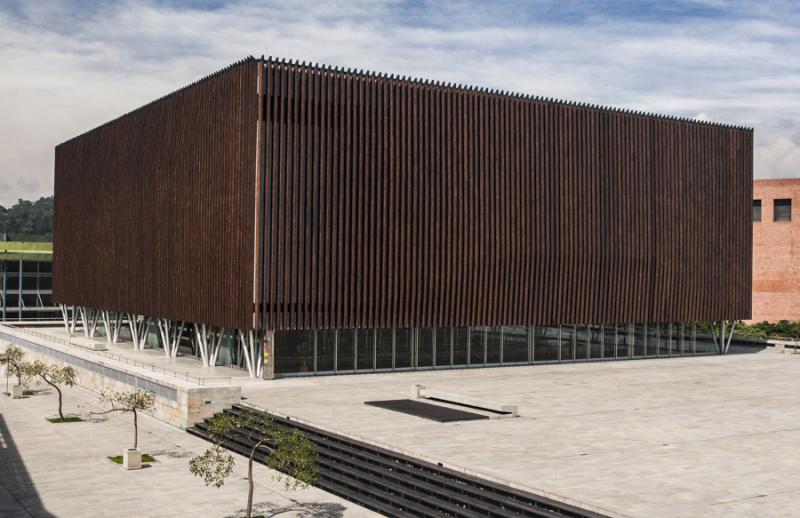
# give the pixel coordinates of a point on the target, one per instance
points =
(67, 66)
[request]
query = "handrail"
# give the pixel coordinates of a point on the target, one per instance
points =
(129, 361)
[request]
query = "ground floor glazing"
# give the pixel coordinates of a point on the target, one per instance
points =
(376, 350)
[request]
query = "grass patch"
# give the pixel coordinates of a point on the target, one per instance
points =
(28, 393)
(117, 459)
(70, 419)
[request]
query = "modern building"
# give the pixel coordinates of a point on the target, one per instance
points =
(300, 219)
(776, 250)
(27, 279)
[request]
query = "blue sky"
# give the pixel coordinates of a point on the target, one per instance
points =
(69, 65)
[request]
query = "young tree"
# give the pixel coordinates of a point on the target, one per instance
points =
(283, 450)
(14, 360)
(134, 401)
(54, 376)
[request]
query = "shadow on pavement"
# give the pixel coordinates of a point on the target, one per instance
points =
(298, 509)
(18, 496)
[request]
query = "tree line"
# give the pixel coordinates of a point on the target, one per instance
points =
(28, 220)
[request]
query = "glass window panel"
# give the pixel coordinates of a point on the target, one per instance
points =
(622, 341)
(545, 343)
(675, 339)
(515, 344)
(567, 343)
(460, 338)
(402, 348)
(365, 347)
(596, 342)
(581, 342)
(294, 351)
(494, 341)
(756, 210)
(688, 339)
(652, 340)
(442, 346)
(640, 335)
(425, 347)
(663, 340)
(384, 339)
(477, 337)
(609, 341)
(345, 350)
(325, 350)
(782, 210)
(705, 341)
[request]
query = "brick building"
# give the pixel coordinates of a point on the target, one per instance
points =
(776, 250)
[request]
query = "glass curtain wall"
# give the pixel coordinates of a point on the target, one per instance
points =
(370, 350)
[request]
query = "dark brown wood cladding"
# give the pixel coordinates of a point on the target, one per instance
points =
(396, 203)
(154, 211)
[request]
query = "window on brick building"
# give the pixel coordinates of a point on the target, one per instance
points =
(756, 210)
(782, 210)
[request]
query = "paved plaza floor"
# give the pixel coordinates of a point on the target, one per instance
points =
(702, 436)
(61, 470)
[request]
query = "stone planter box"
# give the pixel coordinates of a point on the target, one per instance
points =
(132, 458)
(16, 391)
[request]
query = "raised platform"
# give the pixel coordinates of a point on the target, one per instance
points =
(186, 392)
(701, 436)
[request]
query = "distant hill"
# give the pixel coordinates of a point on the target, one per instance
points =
(28, 220)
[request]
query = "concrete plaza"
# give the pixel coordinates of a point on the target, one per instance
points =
(702, 436)
(61, 470)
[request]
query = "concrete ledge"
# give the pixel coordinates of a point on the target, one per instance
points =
(178, 402)
(421, 392)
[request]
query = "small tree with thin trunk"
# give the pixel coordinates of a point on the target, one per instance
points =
(14, 360)
(134, 401)
(283, 450)
(54, 376)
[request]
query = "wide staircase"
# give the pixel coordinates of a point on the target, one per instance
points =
(398, 485)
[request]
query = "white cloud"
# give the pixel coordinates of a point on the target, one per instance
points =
(69, 66)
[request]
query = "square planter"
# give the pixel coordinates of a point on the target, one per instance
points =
(132, 458)
(16, 391)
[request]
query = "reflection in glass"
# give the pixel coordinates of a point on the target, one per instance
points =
(639, 338)
(294, 351)
(581, 342)
(494, 341)
(460, 339)
(442, 346)
(567, 343)
(622, 341)
(325, 350)
(345, 350)
(425, 347)
(515, 344)
(596, 342)
(609, 341)
(477, 343)
(545, 343)
(383, 347)
(652, 339)
(365, 348)
(402, 349)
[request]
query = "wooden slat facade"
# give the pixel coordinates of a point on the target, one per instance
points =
(335, 199)
(154, 211)
(396, 203)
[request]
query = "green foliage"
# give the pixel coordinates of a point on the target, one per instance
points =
(214, 466)
(32, 221)
(54, 376)
(51, 374)
(117, 459)
(128, 401)
(14, 360)
(69, 419)
(785, 329)
(288, 452)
